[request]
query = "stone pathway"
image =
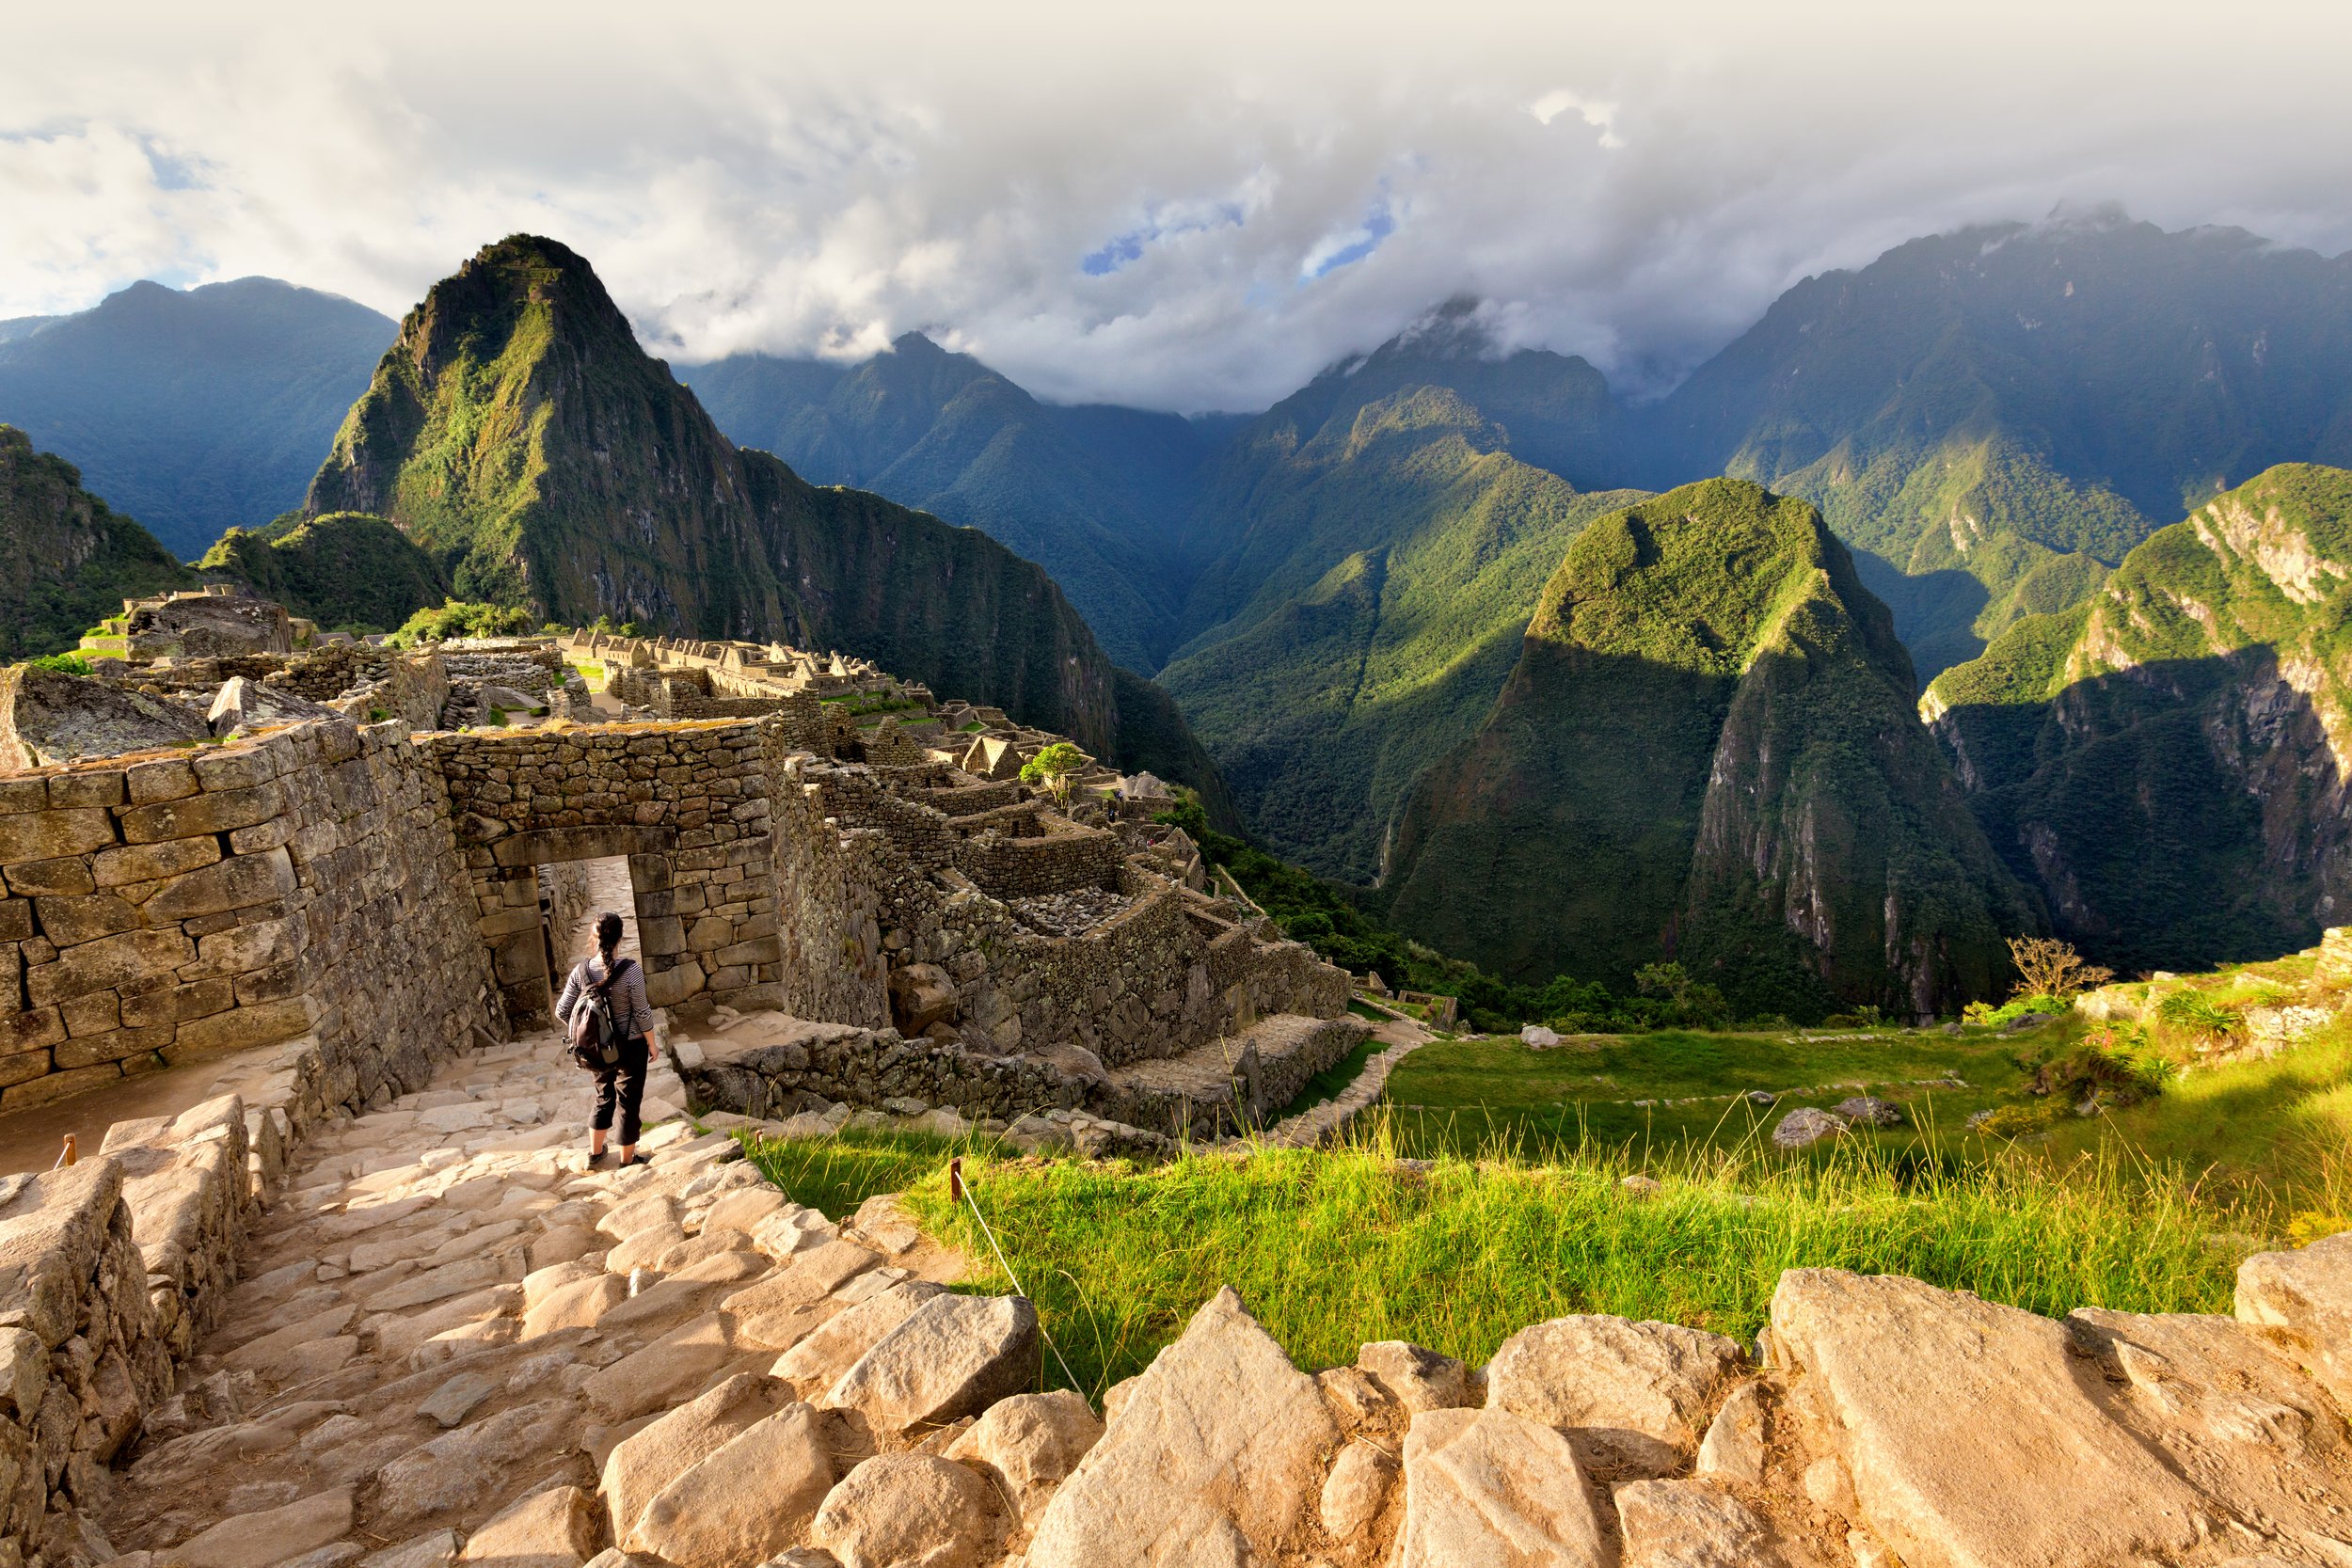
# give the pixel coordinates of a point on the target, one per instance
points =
(1325, 1123)
(447, 1329)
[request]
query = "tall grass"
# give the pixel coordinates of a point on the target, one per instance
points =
(1336, 1248)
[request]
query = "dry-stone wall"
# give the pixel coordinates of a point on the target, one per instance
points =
(169, 907)
(687, 803)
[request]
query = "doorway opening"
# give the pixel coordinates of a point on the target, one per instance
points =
(572, 894)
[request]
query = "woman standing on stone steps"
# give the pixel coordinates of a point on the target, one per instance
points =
(623, 982)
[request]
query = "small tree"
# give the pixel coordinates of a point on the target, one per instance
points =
(2052, 967)
(1054, 769)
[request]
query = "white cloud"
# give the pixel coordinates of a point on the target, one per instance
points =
(1195, 209)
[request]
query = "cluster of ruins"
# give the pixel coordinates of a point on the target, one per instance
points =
(237, 827)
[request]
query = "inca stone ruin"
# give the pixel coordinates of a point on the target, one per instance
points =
(361, 1304)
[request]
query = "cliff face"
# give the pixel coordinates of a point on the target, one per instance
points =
(517, 433)
(2169, 760)
(1707, 752)
(65, 558)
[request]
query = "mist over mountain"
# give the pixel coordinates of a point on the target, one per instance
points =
(192, 411)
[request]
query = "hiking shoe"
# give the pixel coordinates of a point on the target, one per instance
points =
(601, 1162)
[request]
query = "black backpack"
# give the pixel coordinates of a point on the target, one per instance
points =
(595, 1035)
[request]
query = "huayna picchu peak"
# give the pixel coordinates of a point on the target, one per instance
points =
(517, 432)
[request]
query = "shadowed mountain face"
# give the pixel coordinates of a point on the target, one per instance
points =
(66, 559)
(194, 411)
(2168, 761)
(1707, 752)
(1097, 496)
(519, 435)
(1998, 415)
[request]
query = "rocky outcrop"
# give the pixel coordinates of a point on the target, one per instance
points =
(48, 718)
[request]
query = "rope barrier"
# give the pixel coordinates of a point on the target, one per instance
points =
(959, 1187)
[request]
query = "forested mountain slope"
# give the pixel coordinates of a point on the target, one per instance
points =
(517, 432)
(2168, 761)
(1707, 752)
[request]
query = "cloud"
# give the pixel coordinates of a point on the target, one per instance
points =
(1194, 209)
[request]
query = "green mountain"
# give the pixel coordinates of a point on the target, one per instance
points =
(1396, 551)
(1097, 496)
(342, 570)
(1993, 416)
(517, 433)
(1708, 751)
(199, 410)
(2167, 760)
(65, 559)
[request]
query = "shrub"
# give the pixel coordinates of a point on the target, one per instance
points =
(2194, 1013)
(2114, 1064)
(63, 664)
(461, 618)
(2052, 967)
(1056, 769)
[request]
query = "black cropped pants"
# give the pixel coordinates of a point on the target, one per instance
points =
(624, 1082)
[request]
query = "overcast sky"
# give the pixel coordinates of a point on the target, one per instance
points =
(1194, 211)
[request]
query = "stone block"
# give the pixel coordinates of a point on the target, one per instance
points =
(96, 787)
(198, 998)
(70, 922)
(261, 944)
(107, 963)
(148, 862)
(66, 877)
(241, 1028)
(93, 1014)
(215, 811)
(112, 1046)
(237, 768)
(34, 1029)
(38, 835)
(231, 884)
(660, 937)
(16, 919)
(56, 1085)
(147, 782)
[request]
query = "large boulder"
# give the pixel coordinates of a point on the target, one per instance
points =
(954, 1357)
(47, 719)
(2307, 1296)
(1489, 1489)
(1807, 1126)
(1972, 1434)
(208, 626)
(1029, 1444)
(751, 1499)
(245, 704)
(910, 1511)
(641, 1463)
(1692, 1524)
(1218, 1445)
(1632, 1397)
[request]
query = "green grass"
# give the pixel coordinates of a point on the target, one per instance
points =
(1463, 1095)
(1337, 1248)
(1332, 1082)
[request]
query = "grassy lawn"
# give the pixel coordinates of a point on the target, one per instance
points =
(1334, 1248)
(1469, 1096)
